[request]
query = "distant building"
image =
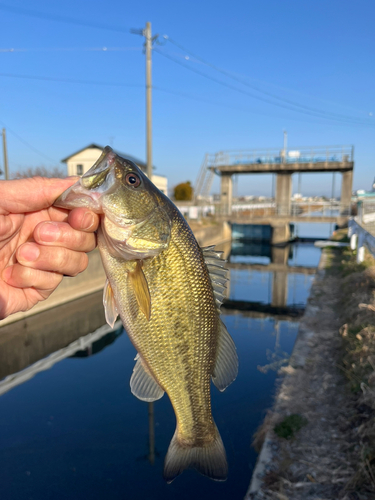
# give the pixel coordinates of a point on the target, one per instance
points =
(81, 161)
(297, 196)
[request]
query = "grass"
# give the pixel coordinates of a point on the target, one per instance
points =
(358, 332)
(340, 235)
(289, 426)
(356, 310)
(342, 261)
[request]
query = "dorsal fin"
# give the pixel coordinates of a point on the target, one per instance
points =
(217, 271)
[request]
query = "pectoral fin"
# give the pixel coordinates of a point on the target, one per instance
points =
(226, 367)
(142, 383)
(140, 287)
(110, 307)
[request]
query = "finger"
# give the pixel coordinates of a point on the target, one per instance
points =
(84, 220)
(29, 195)
(25, 277)
(56, 259)
(61, 234)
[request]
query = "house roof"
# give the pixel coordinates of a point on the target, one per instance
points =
(141, 164)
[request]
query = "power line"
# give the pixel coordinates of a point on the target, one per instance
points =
(237, 108)
(135, 85)
(63, 19)
(73, 49)
(316, 114)
(28, 144)
(71, 80)
(325, 114)
(244, 82)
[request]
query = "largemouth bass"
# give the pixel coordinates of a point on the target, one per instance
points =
(167, 291)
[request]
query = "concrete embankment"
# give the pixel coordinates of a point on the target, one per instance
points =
(90, 281)
(93, 278)
(317, 327)
(212, 234)
(318, 440)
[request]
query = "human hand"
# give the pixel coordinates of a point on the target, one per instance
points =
(39, 243)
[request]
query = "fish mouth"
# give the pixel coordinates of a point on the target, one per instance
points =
(87, 191)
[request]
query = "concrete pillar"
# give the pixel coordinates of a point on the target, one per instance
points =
(360, 248)
(346, 192)
(283, 193)
(280, 233)
(226, 194)
(279, 289)
(279, 255)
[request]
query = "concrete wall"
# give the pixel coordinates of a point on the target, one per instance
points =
(213, 235)
(89, 281)
(35, 337)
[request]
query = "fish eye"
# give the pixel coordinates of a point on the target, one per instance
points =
(132, 179)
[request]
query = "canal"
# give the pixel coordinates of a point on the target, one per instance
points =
(70, 427)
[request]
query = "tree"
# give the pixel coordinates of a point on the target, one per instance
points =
(39, 172)
(183, 191)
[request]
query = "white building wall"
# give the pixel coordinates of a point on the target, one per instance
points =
(86, 158)
(161, 182)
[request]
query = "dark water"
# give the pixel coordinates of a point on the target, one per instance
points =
(75, 430)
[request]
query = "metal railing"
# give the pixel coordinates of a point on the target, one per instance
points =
(332, 208)
(326, 154)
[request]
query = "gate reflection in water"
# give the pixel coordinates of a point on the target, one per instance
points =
(73, 429)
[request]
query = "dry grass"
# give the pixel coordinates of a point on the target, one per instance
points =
(333, 456)
(357, 301)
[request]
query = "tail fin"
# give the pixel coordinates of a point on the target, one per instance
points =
(209, 460)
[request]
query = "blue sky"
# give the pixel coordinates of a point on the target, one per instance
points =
(316, 55)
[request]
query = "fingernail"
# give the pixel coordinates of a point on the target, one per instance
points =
(29, 252)
(49, 232)
(7, 273)
(88, 220)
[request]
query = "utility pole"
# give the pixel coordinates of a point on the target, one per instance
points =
(146, 32)
(148, 36)
(5, 153)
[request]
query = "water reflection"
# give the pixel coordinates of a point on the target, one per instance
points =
(277, 283)
(85, 346)
(75, 430)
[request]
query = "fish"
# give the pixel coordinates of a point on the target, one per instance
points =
(167, 291)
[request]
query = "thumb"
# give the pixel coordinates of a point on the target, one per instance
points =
(31, 194)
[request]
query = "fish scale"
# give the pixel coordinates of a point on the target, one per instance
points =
(176, 358)
(168, 293)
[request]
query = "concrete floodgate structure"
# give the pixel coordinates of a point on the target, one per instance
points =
(283, 164)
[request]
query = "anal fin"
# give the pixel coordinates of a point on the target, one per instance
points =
(226, 367)
(142, 383)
